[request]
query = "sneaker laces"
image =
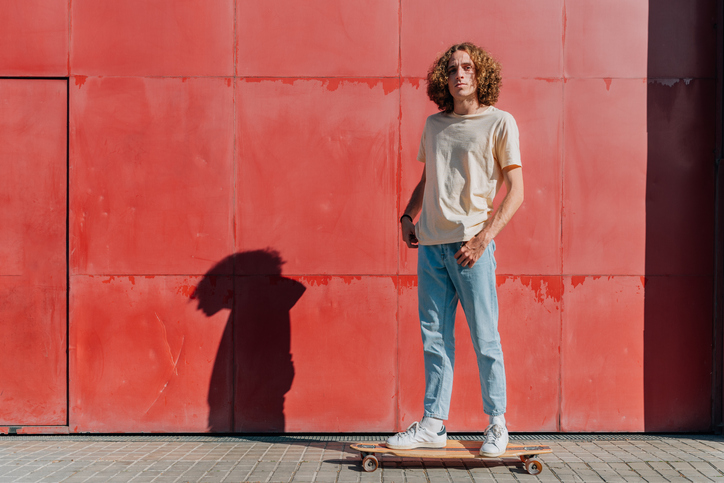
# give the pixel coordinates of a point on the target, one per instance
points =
(413, 428)
(493, 433)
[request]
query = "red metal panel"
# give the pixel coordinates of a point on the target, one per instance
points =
(602, 354)
(411, 364)
(415, 106)
(680, 179)
(604, 178)
(147, 357)
(34, 38)
(526, 36)
(33, 362)
(682, 38)
(343, 344)
(33, 132)
(152, 175)
(677, 354)
(289, 38)
(316, 173)
(530, 331)
(606, 39)
(162, 37)
(531, 243)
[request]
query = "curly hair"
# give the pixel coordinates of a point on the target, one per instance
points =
(487, 76)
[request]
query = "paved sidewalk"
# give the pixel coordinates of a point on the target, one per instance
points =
(630, 458)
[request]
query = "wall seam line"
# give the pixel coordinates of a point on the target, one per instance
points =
(562, 154)
(234, 198)
(67, 250)
(397, 210)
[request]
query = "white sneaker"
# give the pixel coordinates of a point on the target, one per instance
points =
(496, 441)
(418, 437)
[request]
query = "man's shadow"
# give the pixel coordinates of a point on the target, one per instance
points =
(253, 369)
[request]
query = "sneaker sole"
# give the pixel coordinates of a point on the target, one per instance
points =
(492, 455)
(420, 445)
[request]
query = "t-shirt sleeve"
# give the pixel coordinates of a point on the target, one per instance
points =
(421, 152)
(507, 144)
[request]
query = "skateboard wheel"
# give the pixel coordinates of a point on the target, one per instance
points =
(534, 466)
(370, 463)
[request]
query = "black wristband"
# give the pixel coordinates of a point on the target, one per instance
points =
(408, 216)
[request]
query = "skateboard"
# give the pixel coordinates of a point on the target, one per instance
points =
(528, 453)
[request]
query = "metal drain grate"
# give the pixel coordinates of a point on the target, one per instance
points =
(345, 438)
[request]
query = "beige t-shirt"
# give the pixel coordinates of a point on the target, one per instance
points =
(463, 157)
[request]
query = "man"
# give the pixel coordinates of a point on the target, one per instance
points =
(469, 150)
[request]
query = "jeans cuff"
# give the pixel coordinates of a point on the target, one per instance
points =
(495, 413)
(434, 415)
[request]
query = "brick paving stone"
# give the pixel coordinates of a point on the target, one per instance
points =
(393, 474)
(347, 477)
(375, 477)
(503, 478)
(705, 468)
(417, 473)
(589, 475)
(483, 478)
(458, 475)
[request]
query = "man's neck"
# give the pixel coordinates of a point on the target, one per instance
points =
(464, 107)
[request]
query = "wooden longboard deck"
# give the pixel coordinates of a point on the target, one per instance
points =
(454, 449)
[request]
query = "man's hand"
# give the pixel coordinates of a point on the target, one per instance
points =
(408, 233)
(413, 208)
(471, 251)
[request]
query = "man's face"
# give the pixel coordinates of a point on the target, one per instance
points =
(461, 75)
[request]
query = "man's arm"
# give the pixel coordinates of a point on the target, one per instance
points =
(413, 208)
(471, 251)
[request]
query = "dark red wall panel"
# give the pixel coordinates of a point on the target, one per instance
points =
(678, 353)
(287, 38)
(310, 153)
(525, 35)
(682, 39)
(603, 41)
(414, 109)
(145, 356)
(681, 106)
(532, 243)
(162, 37)
(34, 36)
(680, 181)
(530, 329)
(604, 177)
(152, 174)
(33, 252)
(602, 356)
(343, 344)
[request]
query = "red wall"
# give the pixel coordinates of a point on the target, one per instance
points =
(208, 139)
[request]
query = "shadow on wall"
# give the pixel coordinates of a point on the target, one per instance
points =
(254, 362)
(678, 300)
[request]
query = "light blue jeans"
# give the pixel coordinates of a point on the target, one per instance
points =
(441, 283)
